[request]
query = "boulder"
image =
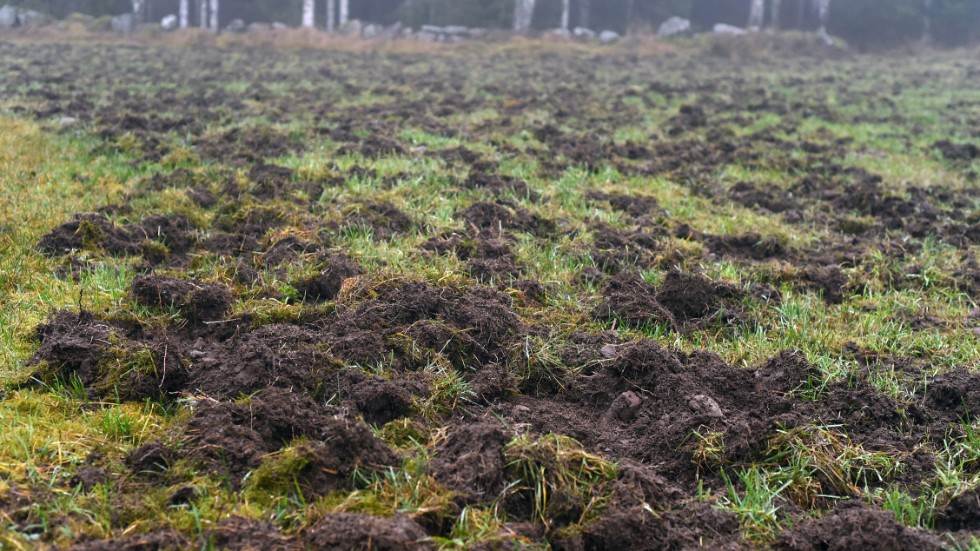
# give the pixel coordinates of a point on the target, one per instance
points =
(608, 37)
(169, 23)
(371, 31)
(673, 26)
(722, 28)
(8, 17)
(352, 28)
(29, 18)
(279, 26)
(236, 26)
(258, 27)
(426, 36)
(582, 32)
(125, 23)
(392, 32)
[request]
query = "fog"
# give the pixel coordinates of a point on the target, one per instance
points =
(865, 24)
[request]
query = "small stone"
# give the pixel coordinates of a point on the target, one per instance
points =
(705, 405)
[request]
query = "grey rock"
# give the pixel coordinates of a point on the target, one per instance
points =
(278, 26)
(722, 28)
(456, 30)
(392, 32)
(608, 37)
(426, 36)
(258, 27)
(705, 405)
(29, 18)
(236, 26)
(169, 23)
(352, 28)
(8, 17)
(371, 31)
(125, 23)
(673, 27)
(582, 32)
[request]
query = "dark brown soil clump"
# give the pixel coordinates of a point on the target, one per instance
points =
(854, 525)
(345, 531)
(196, 301)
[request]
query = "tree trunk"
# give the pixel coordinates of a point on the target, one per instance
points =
(203, 4)
(757, 13)
(138, 10)
(630, 4)
(774, 16)
(585, 13)
(308, 13)
(823, 12)
(344, 12)
(523, 15)
(184, 13)
(331, 15)
(214, 16)
(566, 8)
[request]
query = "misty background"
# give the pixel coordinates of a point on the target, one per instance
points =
(866, 24)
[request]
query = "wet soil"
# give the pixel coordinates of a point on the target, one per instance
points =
(252, 394)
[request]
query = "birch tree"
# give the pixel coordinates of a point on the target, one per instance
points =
(344, 12)
(203, 5)
(138, 9)
(214, 16)
(823, 11)
(331, 15)
(566, 8)
(184, 13)
(757, 13)
(308, 12)
(523, 15)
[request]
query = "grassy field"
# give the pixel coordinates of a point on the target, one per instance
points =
(574, 299)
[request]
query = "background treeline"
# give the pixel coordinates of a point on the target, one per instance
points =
(863, 23)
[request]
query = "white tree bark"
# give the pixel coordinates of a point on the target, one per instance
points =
(823, 12)
(344, 12)
(566, 8)
(138, 9)
(308, 11)
(204, 13)
(523, 15)
(774, 16)
(331, 15)
(757, 14)
(214, 16)
(183, 13)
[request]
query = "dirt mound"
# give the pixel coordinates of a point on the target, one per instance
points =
(630, 300)
(634, 205)
(957, 151)
(498, 185)
(493, 260)
(471, 462)
(247, 145)
(345, 531)
(326, 285)
(504, 215)
(384, 220)
(234, 438)
(157, 238)
(247, 534)
(768, 200)
(165, 539)
(854, 525)
(284, 356)
(615, 250)
(73, 344)
(750, 246)
(962, 512)
(195, 300)
(693, 297)
(694, 526)
(645, 403)
(416, 323)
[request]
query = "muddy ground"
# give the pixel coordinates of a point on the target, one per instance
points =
(274, 178)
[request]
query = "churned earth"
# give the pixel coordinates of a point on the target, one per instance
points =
(556, 297)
